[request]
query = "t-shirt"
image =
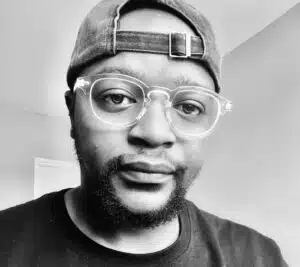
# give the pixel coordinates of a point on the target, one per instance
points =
(41, 233)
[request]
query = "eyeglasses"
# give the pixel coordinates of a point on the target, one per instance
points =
(121, 100)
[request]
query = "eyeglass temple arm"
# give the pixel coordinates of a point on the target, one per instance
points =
(226, 105)
(80, 84)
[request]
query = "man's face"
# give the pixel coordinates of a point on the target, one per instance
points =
(145, 168)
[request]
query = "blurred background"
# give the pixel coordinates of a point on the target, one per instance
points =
(251, 174)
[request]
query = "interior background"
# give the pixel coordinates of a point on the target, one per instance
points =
(252, 170)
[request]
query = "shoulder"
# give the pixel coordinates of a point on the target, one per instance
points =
(24, 226)
(235, 240)
(16, 219)
(221, 227)
(23, 209)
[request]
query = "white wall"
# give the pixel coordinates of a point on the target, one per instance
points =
(252, 170)
(25, 135)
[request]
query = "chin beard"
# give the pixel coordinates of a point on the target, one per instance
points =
(104, 210)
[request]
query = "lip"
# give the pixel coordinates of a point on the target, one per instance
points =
(146, 167)
(151, 171)
(138, 177)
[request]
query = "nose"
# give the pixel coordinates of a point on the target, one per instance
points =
(153, 129)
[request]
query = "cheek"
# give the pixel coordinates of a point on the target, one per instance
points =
(194, 156)
(97, 138)
(194, 151)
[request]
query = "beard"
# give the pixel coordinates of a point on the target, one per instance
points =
(102, 207)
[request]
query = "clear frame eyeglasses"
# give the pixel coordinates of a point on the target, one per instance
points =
(122, 100)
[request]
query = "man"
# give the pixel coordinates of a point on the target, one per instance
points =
(144, 95)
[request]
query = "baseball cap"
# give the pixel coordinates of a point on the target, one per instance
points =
(99, 36)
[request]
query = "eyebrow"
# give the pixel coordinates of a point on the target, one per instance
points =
(125, 71)
(180, 80)
(183, 80)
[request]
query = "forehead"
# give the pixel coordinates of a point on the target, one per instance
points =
(154, 70)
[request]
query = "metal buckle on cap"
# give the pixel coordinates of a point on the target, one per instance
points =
(188, 50)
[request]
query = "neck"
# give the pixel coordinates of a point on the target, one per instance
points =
(124, 239)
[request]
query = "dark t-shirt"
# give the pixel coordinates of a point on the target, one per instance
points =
(41, 233)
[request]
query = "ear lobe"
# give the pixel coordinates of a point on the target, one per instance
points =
(70, 102)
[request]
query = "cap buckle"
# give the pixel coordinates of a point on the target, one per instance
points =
(188, 50)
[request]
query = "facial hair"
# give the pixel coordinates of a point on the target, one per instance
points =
(101, 205)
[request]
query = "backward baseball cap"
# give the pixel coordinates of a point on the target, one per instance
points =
(99, 37)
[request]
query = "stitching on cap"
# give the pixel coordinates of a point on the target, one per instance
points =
(115, 25)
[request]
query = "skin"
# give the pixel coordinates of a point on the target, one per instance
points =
(151, 136)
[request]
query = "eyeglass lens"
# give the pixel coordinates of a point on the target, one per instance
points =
(120, 102)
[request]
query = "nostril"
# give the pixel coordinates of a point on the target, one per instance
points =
(168, 144)
(143, 142)
(139, 142)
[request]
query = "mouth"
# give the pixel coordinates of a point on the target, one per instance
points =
(146, 167)
(147, 173)
(141, 186)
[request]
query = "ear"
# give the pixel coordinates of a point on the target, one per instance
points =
(70, 102)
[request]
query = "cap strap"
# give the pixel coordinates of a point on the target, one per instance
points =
(179, 45)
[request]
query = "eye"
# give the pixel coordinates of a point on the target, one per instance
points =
(118, 99)
(190, 108)
(113, 100)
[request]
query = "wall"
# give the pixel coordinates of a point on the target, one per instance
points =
(24, 136)
(252, 169)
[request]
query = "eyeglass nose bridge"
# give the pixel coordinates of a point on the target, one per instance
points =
(160, 90)
(149, 97)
